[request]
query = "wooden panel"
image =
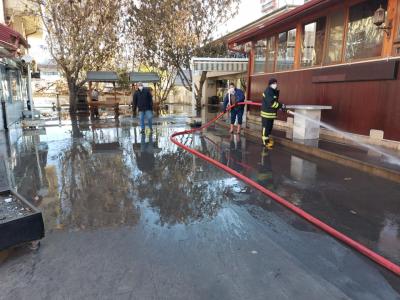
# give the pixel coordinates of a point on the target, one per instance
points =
(358, 106)
(378, 70)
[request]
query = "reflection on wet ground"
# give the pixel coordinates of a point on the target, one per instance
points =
(62, 117)
(139, 218)
(91, 179)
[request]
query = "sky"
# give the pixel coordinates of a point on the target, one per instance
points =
(249, 11)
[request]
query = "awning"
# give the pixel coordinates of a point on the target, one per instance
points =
(101, 76)
(145, 77)
(8, 37)
(235, 65)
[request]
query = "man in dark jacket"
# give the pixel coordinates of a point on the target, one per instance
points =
(143, 102)
(235, 96)
(269, 108)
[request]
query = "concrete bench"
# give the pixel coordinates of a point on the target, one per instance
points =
(304, 129)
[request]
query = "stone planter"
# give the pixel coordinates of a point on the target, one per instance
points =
(20, 222)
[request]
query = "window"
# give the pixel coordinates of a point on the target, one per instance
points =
(5, 94)
(259, 57)
(334, 46)
(270, 62)
(14, 85)
(286, 44)
(50, 73)
(364, 39)
(24, 90)
(313, 43)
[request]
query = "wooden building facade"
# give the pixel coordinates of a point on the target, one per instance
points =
(331, 52)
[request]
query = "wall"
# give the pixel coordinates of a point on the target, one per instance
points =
(180, 95)
(358, 106)
(209, 90)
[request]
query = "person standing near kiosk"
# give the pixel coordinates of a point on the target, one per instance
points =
(95, 98)
(143, 102)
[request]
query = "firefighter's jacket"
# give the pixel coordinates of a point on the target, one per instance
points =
(270, 103)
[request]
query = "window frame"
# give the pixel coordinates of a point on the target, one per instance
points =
(275, 54)
(344, 35)
(254, 57)
(348, 5)
(324, 45)
(294, 49)
(345, 8)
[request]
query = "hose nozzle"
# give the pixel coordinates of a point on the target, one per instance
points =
(290, 112)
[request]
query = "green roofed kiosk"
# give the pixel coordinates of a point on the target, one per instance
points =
(145, 77)
(103, 76)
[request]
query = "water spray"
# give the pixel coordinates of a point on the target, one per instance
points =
(390, 158)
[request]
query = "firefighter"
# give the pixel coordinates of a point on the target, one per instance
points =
(269, 108)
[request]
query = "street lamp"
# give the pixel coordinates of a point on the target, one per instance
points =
(379, 20)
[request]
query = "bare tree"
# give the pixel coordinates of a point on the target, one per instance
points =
(171, 32)
(81, 35)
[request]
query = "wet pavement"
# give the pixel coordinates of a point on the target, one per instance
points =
(361, 154)
(130, 216)
(363, 206)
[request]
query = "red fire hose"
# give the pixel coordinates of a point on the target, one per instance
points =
(313, 220)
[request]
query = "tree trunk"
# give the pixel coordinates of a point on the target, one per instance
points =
(76, 133)
(73, 95)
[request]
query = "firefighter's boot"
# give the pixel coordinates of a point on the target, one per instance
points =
(270, 143)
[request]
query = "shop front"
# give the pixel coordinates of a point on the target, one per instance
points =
(13, 92)
(343, 54)
(13, 76)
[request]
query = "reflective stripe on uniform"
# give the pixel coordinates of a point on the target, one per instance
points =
(275, 105)
(268, 115)
(263, 95)
(264, 137)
